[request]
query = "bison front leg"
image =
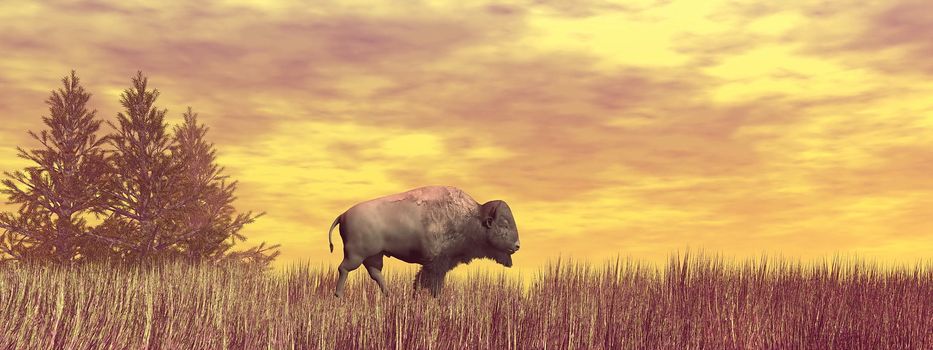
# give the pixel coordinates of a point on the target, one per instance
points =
(418, 282)
(437, 282)
(430, 277)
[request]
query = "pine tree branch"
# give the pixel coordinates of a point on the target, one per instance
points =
(8, 223)
(113, 241)
(122, 212)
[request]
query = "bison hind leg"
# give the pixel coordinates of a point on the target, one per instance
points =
(374, 266)
(349, 263)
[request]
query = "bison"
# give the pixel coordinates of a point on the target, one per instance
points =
(438, 227)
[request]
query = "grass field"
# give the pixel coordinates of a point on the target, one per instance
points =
(691, 303)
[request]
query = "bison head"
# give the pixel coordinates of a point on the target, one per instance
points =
(502, 235)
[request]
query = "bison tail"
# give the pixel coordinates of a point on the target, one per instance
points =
(331, 232)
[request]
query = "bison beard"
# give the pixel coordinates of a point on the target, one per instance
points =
(502, 257)
(431, 276)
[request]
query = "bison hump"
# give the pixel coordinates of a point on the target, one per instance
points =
(435, 194)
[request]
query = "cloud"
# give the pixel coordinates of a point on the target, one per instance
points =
(639, 128)
(294, 55)
(891, 37)
(903, 23)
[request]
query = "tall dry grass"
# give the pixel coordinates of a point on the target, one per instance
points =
(691, 303)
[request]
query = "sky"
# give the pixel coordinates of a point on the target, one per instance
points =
(634, 129)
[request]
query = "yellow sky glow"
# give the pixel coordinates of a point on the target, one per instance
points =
(627, 128)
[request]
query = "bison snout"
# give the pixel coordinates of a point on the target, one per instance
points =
(515, 248)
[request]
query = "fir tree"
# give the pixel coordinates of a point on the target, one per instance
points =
(143, 193)
(162, 195)
(168, 198)
(209, 226)
(63, 187)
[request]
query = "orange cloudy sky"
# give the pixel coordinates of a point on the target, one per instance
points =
(634, 128)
